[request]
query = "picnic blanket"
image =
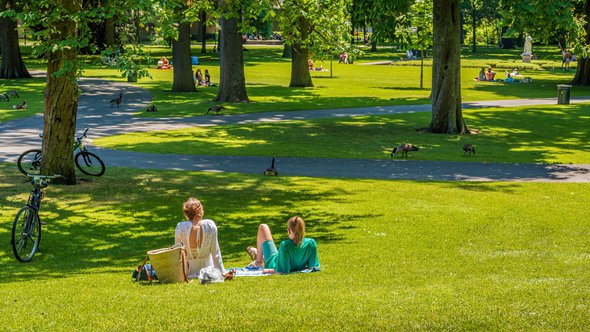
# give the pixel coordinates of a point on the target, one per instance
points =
(244, 272)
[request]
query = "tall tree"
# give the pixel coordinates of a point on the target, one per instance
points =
(61, 92)
(310, 27)
(447, 115)
(174, 19)
(583, 70)
(237, 17)
(12, 65)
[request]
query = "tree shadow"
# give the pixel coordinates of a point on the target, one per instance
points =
(113, 221)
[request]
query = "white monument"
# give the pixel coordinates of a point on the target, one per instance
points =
(528, 49)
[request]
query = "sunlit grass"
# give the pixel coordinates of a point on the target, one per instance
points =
(394, 254)
(356, 85)
(29, 90)
(541, 134)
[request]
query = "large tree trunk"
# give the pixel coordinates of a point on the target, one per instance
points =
(109, 32)
(181, 56)
(203, 32)
(232, 81)
(12, 65)
(287, 51)
(61, 100)
(474, 27)
(447, 116)
(300, 76)
(583, 71)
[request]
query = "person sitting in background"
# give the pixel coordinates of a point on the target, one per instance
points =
(515, 72)
(199, 78)
(509, 79)
(490, 74)
(481, 76)
(163, 63)
(207, 78)
(310, 64)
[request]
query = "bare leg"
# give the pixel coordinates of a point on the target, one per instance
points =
(263, 236)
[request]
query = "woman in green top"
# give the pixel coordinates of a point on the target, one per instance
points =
(295, 254)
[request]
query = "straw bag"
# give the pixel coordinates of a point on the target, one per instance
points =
(169, 263)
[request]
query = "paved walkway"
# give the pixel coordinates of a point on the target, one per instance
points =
(94, 111)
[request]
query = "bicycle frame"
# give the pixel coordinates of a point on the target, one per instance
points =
(36, 194)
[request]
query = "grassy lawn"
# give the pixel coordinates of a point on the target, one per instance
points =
(541, 134)
(30, 90)
(448, 256)
(357, 85)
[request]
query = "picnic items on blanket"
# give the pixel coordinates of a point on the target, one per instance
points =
(170, 263)
(144, 272)
(209, 275)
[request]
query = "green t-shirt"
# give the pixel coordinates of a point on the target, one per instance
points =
(292, 258)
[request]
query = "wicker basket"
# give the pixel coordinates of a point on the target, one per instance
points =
(169, 263)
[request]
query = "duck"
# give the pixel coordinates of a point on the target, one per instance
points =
(22, 106)
(117, 101)
(13, 93)
(151, 108)
(468, 148)
(404, 148)
(216, 109)
(4, 96)
(272, 171)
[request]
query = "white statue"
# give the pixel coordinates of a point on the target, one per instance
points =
(528, 45)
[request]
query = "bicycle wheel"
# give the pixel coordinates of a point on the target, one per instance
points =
(26, 234)
(89, 163)
(29, 162)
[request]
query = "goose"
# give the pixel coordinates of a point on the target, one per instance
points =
(404, 148)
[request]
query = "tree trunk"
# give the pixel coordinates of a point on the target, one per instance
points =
(203, 32)
(373, 46)
(583, 71)
(12, 65)
(61, 100)
(474, 27)
(447, 116)
(300, 76)
(109, 32)
(232, 81)
(287, 51)
(181, 56)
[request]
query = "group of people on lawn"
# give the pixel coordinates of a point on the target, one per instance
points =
(199, 237)
(199, 78)
(489, 75)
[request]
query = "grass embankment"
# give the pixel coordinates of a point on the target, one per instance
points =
(540, 134)
(394, 254)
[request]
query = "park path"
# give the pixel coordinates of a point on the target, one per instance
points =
(94, 111)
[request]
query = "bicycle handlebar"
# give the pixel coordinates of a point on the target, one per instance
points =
(79, 137)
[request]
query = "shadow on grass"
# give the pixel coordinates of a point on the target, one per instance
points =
(111, 222)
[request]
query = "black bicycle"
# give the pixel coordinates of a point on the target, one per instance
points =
(26, 229)
(29, 162)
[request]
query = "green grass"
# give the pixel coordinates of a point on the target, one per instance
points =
(357, 85)
(540, 134)
(30, 90)
(394, 254)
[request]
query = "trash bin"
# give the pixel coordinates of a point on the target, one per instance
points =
(563, 94)
(195, 60)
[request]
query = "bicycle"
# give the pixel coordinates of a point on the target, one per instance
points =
(26, 229)
(29, 162)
